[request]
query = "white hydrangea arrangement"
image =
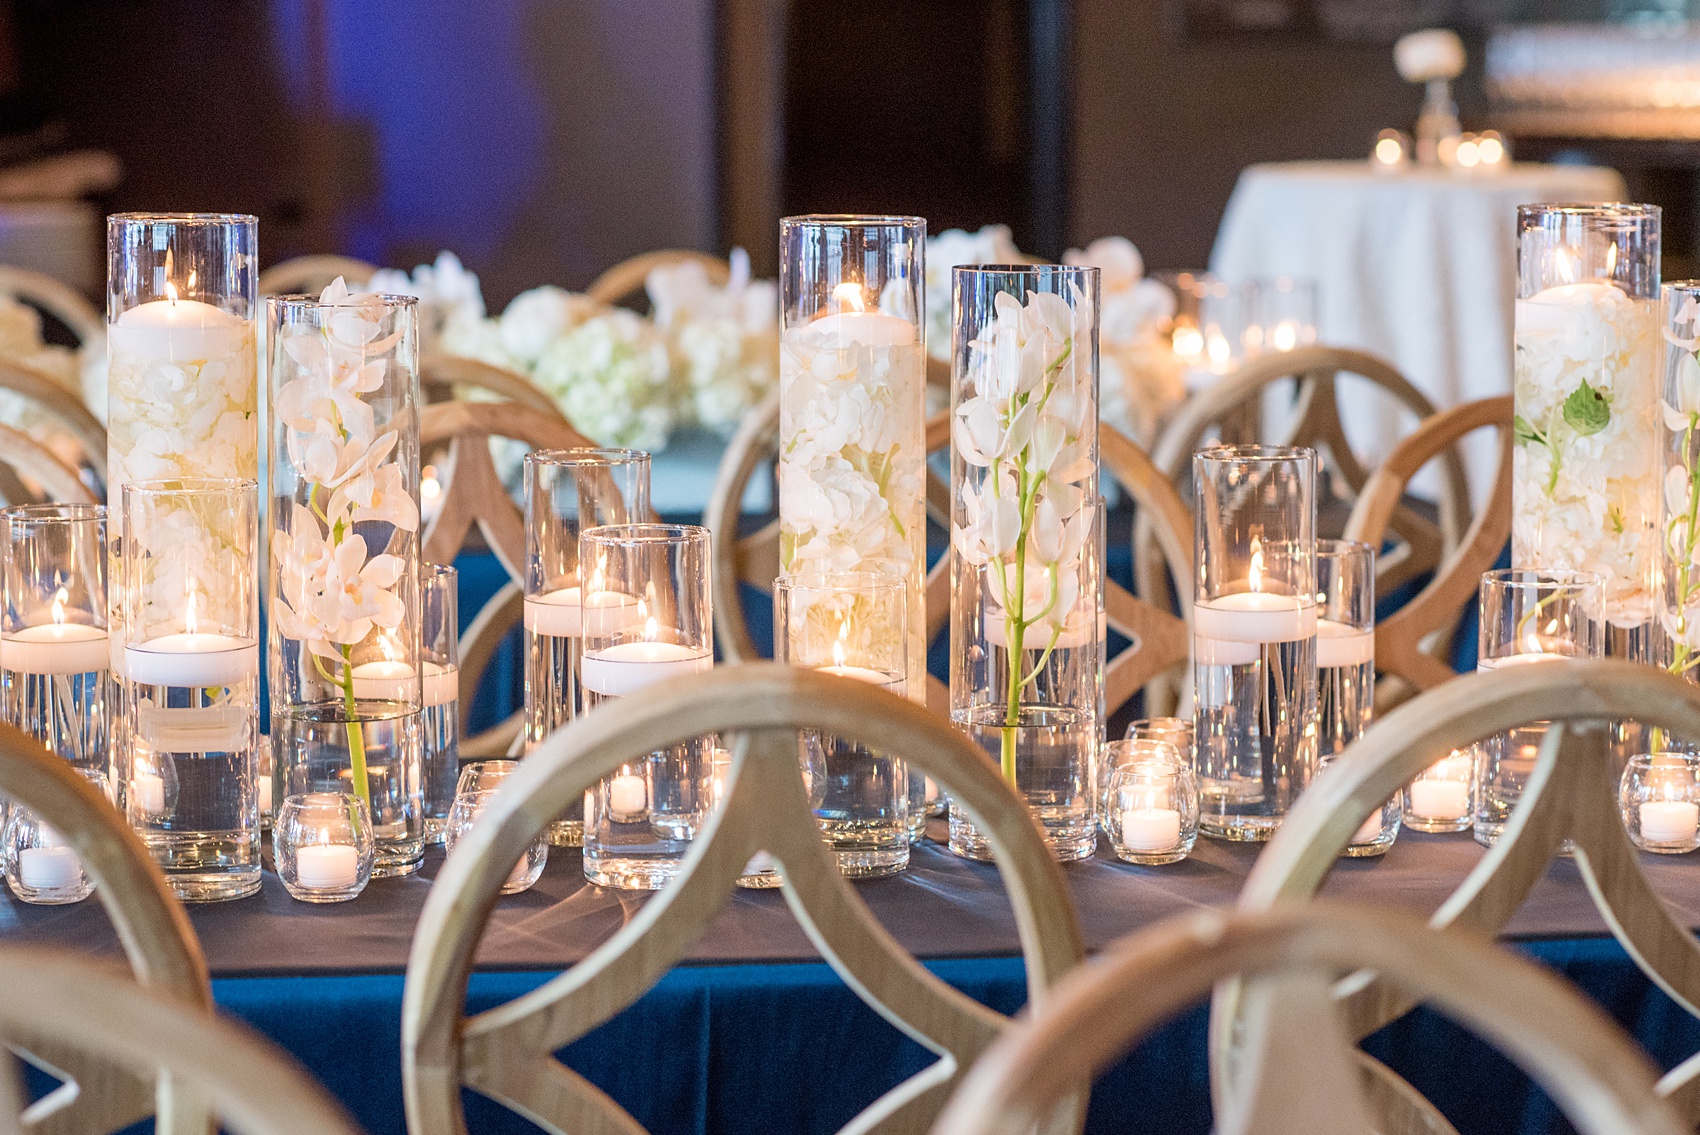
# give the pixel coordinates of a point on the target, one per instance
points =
(993, 244)
(450, 298)
(1140, 379)
(724, 341)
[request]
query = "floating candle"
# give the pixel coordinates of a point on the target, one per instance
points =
(1342, 644)
(1254, 616)
(191, 659)
(55, 648)
(177, 331)
(327, 866)
(627, 667)
(563, 613)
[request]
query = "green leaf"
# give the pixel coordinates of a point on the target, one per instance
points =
(1524, 432)
(1586, 410)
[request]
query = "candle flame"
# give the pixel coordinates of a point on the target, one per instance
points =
(649, 629)
(838, 646)
(171, 292)
(60, 597)
(189, 614)
(849, 297)
(1256, 563)
(1564, 262)
(386, 648)
(1187, 342)
(1611, 260)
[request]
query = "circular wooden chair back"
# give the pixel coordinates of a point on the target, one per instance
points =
(1307, 1083)
(474, 495)
(1413, 644)
(1571, 794)
(1315, 422)
(34, 474)
(1161, 643)
(65, 407)
(626, 279)
(49, 296)
(312, 274)
(753, 560)
(73, 1006)
(158, 942)
(444, 377)
(507, 1052)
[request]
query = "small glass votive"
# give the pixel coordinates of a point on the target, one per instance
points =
(439, 654)
(479, 776)
(1378, 831)
(1283, 315)
(39, 866)
(1660, 800)
(322, 846)
(1133, 750)
(1442, 798)
(760, 873)
(1177, 731)
(1153, 818)
(464, 813)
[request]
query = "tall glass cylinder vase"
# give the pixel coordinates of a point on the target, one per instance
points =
(640, 820)
(346, 689)
(1680, 455)
(566, 492)
(439, 743)
(1254, 635)
(1027, 611)
(191, 664)
(54, 652)
(1586, 490)
(852, 416)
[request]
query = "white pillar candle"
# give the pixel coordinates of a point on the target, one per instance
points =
(177, 331)
(1669, 821)
(563, 614)
(148, 790)
(263, 791)
(1151, 829)
(55, 648)
(628, 796)
(1440, 799)
(327, 866)
(1254, 616)
(192, 659)
(1342, 644)
(627, 667)
(1523, 659)
(48, 868)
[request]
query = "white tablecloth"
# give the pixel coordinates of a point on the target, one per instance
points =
(1419, 267)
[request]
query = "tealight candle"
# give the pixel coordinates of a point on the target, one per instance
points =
(1434, 799)
(191, 659)
(880, 678)
(50, 865)
(327, 866)
(627, 667)
(390, 681)
(1370, 830)
(1151, 829)
(263, 791)
(149, 793)
(55, 648)
(564, 614)
(628, 796)
(1669, 821)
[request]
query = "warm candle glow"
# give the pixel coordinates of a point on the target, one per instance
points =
(838, 647)
(1564, 264)
(1389, 152)
(189, 614)
(59, 598)
(1256, 564)
(848, 296)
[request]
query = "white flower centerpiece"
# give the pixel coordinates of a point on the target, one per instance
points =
(724, 341)
(1586, 490)
(1026, 680)
(344, 459)
(1141, 379)
(852, 425)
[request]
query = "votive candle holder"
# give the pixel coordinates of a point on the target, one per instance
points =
(1659, 795)
(39, 865)
(468, 808)
(1153, 813)
(323, 846)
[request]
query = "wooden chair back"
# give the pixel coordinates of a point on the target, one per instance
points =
(51, 297)
(1315, 422)
(68, 1005)
(312, 274)
(158, 942)
(473, 495)
(1571, 794)
(507, 1053)
(1413, 644)
(1306, 1080)
(443, 378)
(66, 407)
(626, 279)
(35, 474)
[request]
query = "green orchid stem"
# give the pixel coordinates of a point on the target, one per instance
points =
(356, 736)
(1682, 660)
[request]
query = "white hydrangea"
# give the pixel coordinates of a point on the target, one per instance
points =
(993, 244)
(538, 318)
(1140, 378)
(724, 340)
(611, 375)
(446, 291)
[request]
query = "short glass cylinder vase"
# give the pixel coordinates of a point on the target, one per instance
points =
(464, 813)
(1177, 731)
(852, 412)
(322, 846)
(191, 676)
(1254, 623)
(566, 492)
(1153, 817)
(1659, 795)
(1529, 618)
(478, 776)
(639, 821)
(55, 654)
(1586, 483)
(439, 721)
(39, 866)
(346, 687)
(1345, 643)
(852, 625)
(1027, 606)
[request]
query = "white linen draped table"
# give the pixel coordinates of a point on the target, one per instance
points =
(1417, 266)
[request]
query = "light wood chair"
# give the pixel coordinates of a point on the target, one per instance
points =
(1571, 794)
(158, 942)
(63, 406)
(444, 377)
(626, 279)
(1412, 645)
(1315, 422)
(506, 1053)
(473, 494)
(312, 274)
(49, 296)
(1306, 1083)
(48, 1000)
(37, 475)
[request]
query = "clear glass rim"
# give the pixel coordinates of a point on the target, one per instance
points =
(839, 581)
(1157, 723)
(646, 533)
(1604, 209)
(69, 513)
(1669, 756)
(1255, 452)
(1685, 286)
(1139, 750)
(301, 301)
(120, 220)
(587, 455)
(1532, 577)
(192, 487)
(1035, 270)
(438, 571)
(852, 221)
(1342, 549)
(302, 801)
